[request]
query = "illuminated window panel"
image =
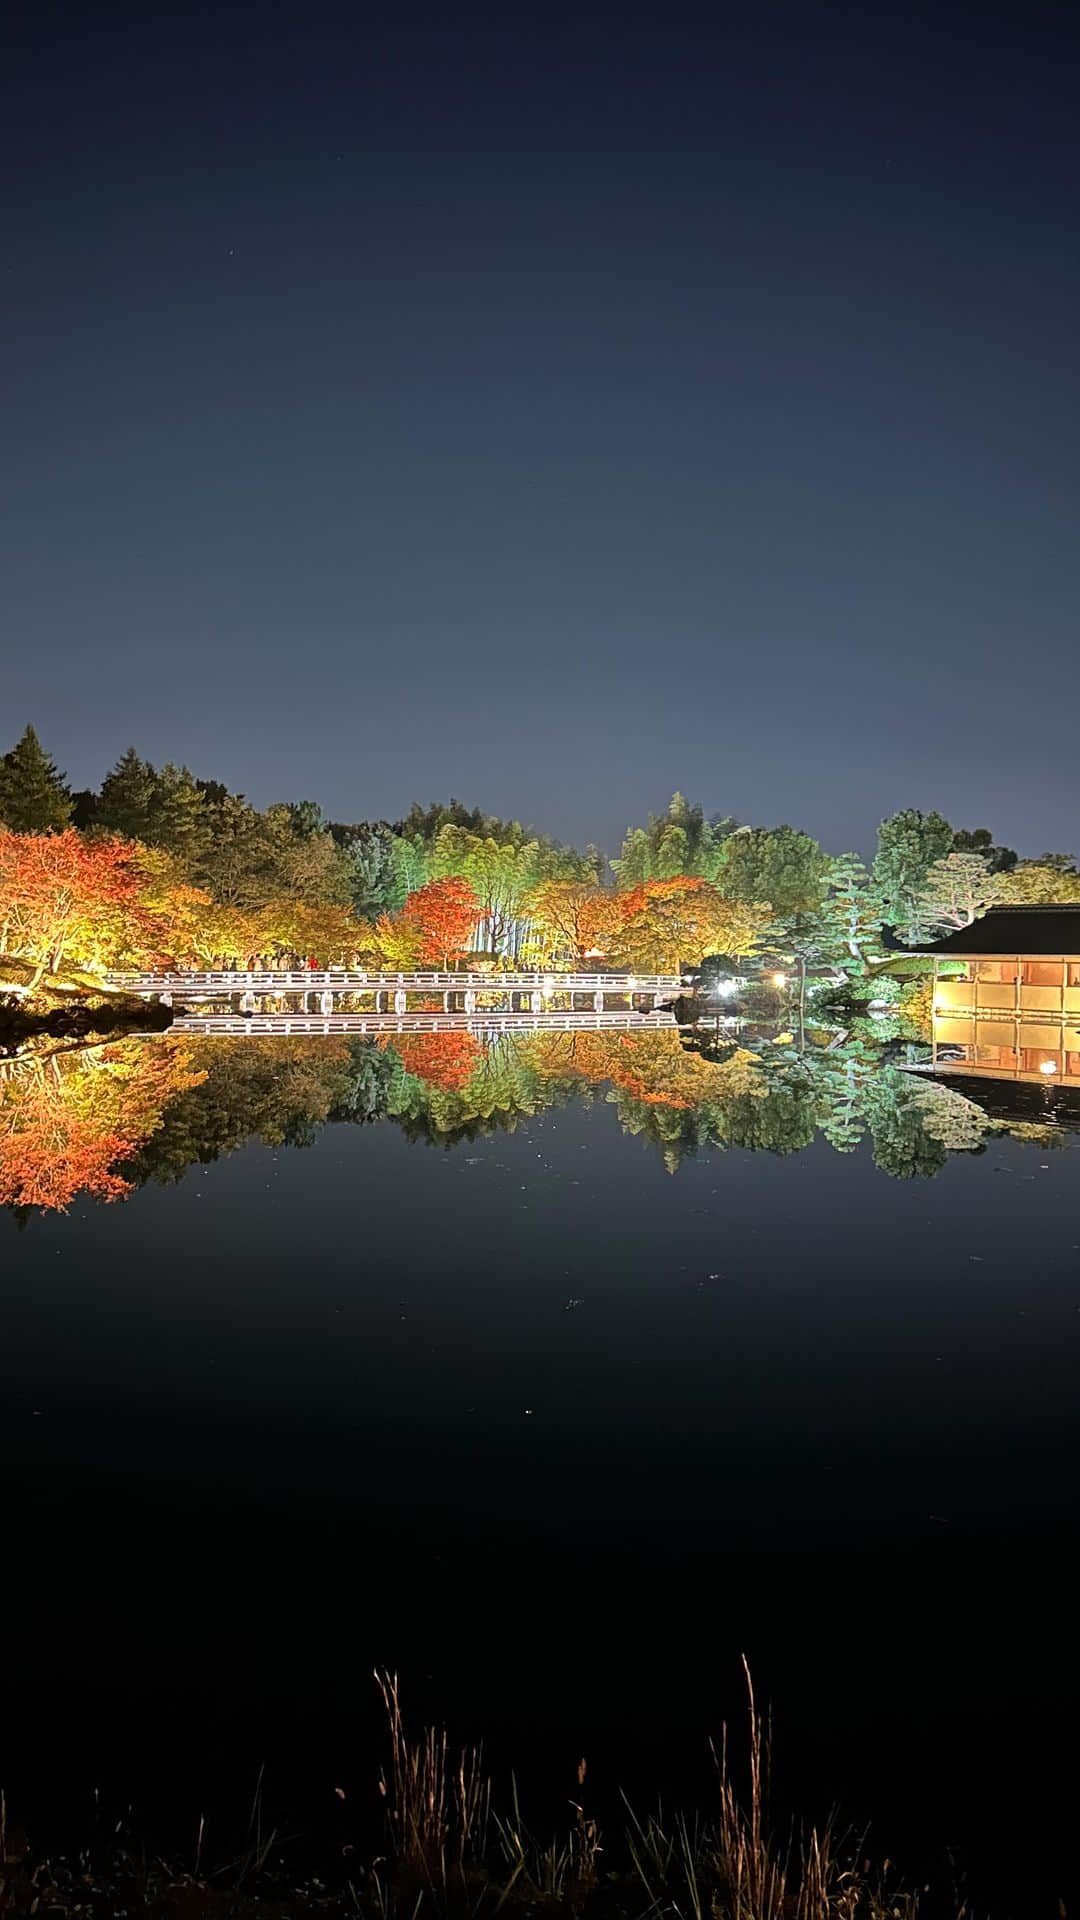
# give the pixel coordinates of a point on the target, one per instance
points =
(997, 972)
(1043, 973)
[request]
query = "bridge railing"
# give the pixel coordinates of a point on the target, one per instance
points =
(373, 1023)
(361, 980)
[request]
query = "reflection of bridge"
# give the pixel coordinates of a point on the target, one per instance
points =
(532, 992)
(482, 1024)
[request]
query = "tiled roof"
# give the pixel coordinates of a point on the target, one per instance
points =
(1015, 930)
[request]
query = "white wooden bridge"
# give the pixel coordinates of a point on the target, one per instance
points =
(530, 992)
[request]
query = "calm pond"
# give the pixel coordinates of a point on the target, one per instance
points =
(557, 1370)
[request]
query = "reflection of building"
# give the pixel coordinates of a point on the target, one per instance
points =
(1007, 995)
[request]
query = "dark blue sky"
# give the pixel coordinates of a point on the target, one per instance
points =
(550, 407)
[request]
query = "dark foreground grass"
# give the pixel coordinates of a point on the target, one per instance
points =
(447, 1849)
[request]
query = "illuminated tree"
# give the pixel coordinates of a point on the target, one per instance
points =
(956, 891)
(502, 875)
(851, 910)
(778, 864)
(908, 844)
(66, 899)
(400, 944)
(367, 854)
(185, 820)
(33, 796)
(446, 913)
(411, 864)
(666, 924)
(677, 842)
(175, 911)
(1035, 883)
(571, 919)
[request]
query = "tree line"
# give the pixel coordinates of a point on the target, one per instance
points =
(158, 865)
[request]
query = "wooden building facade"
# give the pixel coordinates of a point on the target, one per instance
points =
(1007, 995)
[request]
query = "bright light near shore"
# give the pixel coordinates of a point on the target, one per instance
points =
(779, 979)
(723, 988)
(1048, 1066)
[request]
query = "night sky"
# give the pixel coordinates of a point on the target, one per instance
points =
(552, 407)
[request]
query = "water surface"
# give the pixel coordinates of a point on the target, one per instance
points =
(557, 1372)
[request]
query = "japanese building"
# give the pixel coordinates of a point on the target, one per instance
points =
(1007, 995)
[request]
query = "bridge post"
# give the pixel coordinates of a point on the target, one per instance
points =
(247, 1002)
(658, 1001)
(537, 1001)
(470, 1000)
(446, 1001)
(305, 1000)
(326, 1002)
(598, 1000)
(401, 1000)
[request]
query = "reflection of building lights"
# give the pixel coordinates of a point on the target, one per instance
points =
(1048, 1066)
(779, 979)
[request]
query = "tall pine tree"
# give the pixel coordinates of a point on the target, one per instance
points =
(34, 797)
(129, 798)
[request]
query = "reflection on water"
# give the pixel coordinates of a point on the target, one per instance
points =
(101, 1120)
(557, 1434)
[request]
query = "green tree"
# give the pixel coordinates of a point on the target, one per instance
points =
(34, 797)
(411, 864)
(503, 874)
(678, 841)
(908, 843)
(981, 840)
(956, 891)
(368, 856)
(128, 801)
(853, 911)
(184, 820)
(778, 864)
(306, 819)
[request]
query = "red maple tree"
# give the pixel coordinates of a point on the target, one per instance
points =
(445, 913)
(64, 898)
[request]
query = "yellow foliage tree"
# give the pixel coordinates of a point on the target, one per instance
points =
(667, 924)
(1031, 884)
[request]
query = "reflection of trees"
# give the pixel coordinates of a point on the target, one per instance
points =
(70, 1117)
(99, 1120)
(505, 1085)
(446, 1060)
(279, 1091)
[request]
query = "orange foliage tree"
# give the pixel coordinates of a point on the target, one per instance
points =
(74, 901)
(573, 920)
(665, 924)
(446, 913)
